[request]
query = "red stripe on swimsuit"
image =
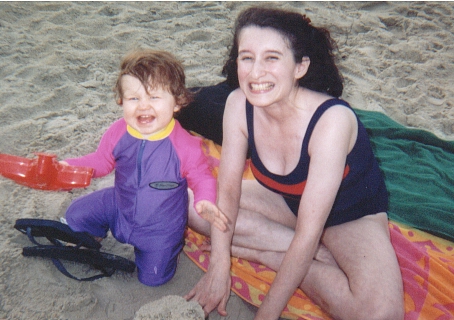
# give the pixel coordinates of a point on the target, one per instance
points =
(291, 189)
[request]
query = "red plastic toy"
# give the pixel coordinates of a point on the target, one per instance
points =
(44, 172)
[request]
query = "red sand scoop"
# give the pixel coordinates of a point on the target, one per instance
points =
(44, 172)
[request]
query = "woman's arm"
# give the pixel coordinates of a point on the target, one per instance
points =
(213, 289)
(331, 141)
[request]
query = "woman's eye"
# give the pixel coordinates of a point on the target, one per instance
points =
(245, 58)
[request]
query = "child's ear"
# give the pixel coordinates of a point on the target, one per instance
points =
(120, 101)
(176, 108)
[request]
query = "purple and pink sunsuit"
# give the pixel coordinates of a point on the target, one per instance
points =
(148, 205)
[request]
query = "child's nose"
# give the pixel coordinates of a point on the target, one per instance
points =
(144, 104)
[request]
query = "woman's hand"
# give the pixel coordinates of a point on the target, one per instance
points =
(212, 290)
(211, 213)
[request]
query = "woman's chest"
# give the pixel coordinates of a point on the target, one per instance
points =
(279, 148)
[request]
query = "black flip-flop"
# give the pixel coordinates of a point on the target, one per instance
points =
(84, 248)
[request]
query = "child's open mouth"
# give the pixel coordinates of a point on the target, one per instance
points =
(145, 119)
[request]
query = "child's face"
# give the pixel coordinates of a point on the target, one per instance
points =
(148, 113)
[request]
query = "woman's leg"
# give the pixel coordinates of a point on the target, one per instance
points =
(355, 272)
(263, 215)
(367, 283)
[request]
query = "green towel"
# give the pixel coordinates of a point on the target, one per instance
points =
(419, 173)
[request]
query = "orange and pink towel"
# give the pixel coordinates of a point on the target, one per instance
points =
(426, 262)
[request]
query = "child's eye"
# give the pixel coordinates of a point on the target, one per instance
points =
(272, 58)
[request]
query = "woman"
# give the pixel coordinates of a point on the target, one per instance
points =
(316, 212)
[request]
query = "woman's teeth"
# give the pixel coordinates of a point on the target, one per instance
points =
(261, 86)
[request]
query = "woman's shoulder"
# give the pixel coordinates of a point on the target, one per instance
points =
(322, 102)
(235, 111)
(236, 96)
(235, 104)
(336, 111)
(335, 116)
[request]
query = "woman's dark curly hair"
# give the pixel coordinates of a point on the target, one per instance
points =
(304, 40)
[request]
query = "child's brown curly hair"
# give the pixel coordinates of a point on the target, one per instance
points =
(155, 69)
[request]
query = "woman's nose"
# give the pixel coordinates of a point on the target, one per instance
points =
(258, 69)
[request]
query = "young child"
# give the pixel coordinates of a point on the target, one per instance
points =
(155, 161)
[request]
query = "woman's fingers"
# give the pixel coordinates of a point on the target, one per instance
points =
(209, 295)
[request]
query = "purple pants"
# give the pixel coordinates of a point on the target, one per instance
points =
(156, 245)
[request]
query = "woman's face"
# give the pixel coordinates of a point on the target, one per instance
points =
(267, 72)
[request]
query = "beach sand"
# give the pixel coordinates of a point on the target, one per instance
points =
(58, 64)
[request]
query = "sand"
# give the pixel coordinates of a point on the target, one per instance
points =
(58, 63)
(170, 307)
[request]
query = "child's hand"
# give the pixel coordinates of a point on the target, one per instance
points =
(211, 213)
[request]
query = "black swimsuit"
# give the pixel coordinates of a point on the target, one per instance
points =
(362, 190)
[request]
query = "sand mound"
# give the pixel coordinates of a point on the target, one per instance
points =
(170, 308)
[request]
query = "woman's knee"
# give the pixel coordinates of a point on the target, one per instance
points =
(378, 309)
(365, 254)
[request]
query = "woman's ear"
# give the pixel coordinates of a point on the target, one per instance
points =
(302, 67)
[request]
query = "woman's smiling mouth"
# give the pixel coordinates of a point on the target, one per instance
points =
(261, 86)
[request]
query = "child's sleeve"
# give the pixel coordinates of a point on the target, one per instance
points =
(102, 160)
(194, 165)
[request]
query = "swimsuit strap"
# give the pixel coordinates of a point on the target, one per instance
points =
(318, 114)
